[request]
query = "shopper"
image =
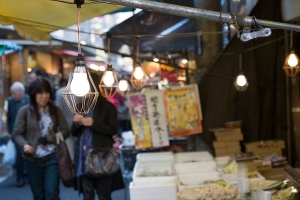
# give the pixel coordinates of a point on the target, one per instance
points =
(14, 103)
(35, 132)
(98, 127)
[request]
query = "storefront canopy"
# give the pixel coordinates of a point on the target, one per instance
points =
(34, 20)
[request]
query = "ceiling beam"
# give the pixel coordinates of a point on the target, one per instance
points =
(30, 42)
(243, 21)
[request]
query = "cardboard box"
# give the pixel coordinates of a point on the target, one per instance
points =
(257, 165)
(274, 173)
(264, 145)
(221, 132)
(230, 138)
(219, 145)
(264, 153)
(227, 151)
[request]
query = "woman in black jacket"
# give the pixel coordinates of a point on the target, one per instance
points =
(95, 130)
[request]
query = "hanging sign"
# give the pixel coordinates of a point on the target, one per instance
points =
(139, 120)
(183, 110)
(157, 118)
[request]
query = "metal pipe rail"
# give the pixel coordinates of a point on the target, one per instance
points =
(242, 21)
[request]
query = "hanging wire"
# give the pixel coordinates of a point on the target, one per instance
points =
(240, 63)
(291, 40)
(108, 50)
(80, 94)
(78, 30)
(137, 50)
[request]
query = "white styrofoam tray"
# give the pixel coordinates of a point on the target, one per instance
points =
(155, 156)
(153, 192)
(195, 156)
(197, 179)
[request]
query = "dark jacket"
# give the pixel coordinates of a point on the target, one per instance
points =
(27, 130)
(12, 111)
(104, 127)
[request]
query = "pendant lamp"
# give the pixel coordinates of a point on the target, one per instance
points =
(109, 83)
(291, 65)
(124, 86)
(241, 82)
(80, 93)
(138, 76)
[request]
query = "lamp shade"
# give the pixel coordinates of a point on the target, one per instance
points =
(291, 64)
(80, 93)
(138, 78)
(109, 83)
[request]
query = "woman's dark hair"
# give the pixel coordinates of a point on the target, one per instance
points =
(38, 86)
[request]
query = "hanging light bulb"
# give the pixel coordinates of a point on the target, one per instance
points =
(108, 78)
(138, 73)
(241, 80)
(184, 61)
(155, 58)
(80, 94)
(123, 85)
(291, 64)
(80, 85)
(109, 83)
(138, 77)
(293, 60)
(241, 83)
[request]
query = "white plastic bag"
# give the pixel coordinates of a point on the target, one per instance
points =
(9, 157)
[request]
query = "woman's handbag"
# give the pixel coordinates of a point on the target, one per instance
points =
(65, 165)
(101, 162)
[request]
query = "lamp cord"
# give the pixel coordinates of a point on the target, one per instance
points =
(137, 50)
(78, 30)
(108, 50)
(240, 64)
(291, 41)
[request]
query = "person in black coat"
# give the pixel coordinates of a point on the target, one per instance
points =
(95, 130)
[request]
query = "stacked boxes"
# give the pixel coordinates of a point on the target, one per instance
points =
(227, 141)
(265, 148)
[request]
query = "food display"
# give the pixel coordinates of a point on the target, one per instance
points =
(189, 176)
(209, 192)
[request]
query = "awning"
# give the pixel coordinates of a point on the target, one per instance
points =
(151, 24)
(34, 20)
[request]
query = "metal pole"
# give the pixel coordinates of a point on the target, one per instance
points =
(199, 13)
